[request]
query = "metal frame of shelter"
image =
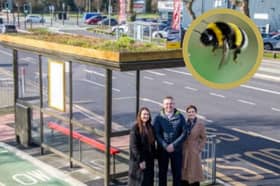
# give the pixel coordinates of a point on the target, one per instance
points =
(109, 66)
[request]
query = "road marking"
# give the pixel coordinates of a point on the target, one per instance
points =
(269, 69)
(255, 134)
(155, 73)
(270, 62)
(99, 84)
(246, 102)
(266, 77)
(261, 89)
(190, 88)
(6, 53)
(130, 73)
(168, 83)
(179, 72)
(97, 73)
(275, 109)
(29, 60)
(181, 110)
(149, 78)
(217, 95)
(124, 98)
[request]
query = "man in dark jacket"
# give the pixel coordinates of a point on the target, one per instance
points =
(170, 130)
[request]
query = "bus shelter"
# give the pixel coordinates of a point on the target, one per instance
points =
(61, 131)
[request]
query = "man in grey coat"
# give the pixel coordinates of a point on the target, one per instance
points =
(171, 132)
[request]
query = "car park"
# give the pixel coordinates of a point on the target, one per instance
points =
(272, 43)
(34, 19)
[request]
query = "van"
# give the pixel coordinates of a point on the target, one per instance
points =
(89, 15)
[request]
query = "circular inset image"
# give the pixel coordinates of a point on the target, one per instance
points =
(222, 48)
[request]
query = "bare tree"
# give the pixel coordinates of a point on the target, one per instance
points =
(79, 4)
(18, 3)
(245, 7)
(189, 4)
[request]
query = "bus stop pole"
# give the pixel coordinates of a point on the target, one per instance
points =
(15, 71)
(70, 114)
(108, 125)
(137, 90)
(41, 105)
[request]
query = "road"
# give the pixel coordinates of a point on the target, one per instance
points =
(245, 119)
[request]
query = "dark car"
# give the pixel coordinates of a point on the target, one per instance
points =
(106, 21)
(6, 28)
(95, 19)
(272, 43)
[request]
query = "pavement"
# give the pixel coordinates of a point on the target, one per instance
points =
(26, 166)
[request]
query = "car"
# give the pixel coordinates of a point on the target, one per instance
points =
(121, 28)
(88, 15)
(8, 28)
(34, 19)
(161, 33)
(272, 43)
(173, 35)
(94, 19)
(112, 21)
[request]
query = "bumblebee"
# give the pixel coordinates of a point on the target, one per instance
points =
(227, 36)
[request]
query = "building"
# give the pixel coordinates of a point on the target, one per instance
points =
(265, 13)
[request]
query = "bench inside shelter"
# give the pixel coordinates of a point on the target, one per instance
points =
(82, 138)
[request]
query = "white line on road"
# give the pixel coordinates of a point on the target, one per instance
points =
(124, 98)
(155, 73)
(29, 60)
(246, 102)
(149, 78)
(131, 73)
(190, 88)
(168, 83)
(255, 134)
(99, 84)
(179, 72)
(97, 73)
(270, 69)
(181, 110)
(275, 109)
(266, 77)
(217, 95)
(261, 89)
(6, 53)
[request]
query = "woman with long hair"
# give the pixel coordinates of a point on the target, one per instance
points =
(192, 173)
(142, 151)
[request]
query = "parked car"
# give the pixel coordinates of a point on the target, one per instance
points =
(34, 19)
(173, 35)
(106, 21)
(122, 28)
(8, 28)
(94, 19)
(161, 33)
(88, 15)
(272, 43)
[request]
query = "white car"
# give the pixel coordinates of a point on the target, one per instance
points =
(161, 33)
(121, 28)
(34, 19)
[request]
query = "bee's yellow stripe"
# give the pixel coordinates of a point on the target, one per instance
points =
(217, 32)
(238, 34)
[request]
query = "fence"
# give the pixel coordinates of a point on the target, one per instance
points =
(208, 159)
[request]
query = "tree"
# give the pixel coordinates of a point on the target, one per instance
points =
(18, 3)
(189, 4)
(79, 4)
(245, 7)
